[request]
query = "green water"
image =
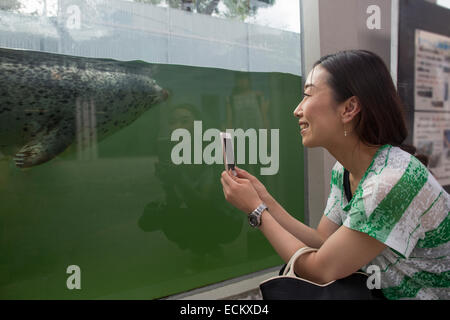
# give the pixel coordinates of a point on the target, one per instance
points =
(138, 226)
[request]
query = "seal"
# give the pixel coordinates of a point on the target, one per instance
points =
(40, 93)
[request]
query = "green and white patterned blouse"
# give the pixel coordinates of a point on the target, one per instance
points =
(400, 203)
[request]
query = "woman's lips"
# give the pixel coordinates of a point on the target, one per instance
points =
(303, 127)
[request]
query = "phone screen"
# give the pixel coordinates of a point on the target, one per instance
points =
(228, 154)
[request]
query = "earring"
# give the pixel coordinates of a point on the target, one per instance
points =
(345, 132)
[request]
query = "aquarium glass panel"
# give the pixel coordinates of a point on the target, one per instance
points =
(110, 154)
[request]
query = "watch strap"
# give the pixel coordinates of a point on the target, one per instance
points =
(256, 214)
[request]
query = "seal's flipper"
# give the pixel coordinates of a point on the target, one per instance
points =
(43, 148)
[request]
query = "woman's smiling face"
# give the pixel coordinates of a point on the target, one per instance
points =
(318, 112)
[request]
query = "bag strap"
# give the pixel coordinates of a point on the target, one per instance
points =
(289, 270)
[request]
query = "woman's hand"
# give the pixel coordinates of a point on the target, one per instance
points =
(240, 192)
(263, 194)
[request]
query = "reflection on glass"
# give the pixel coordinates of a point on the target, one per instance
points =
(276, 14)
(189, 214)
(246, 108)
(239, 9)
(86, 130)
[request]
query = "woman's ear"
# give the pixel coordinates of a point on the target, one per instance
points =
(350, 109)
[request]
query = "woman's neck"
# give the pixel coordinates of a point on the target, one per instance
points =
(355, 156)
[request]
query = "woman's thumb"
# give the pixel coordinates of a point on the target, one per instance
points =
(241, 172)
(244, 174)
(240, 180)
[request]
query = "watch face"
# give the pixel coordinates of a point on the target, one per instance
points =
(253, 220)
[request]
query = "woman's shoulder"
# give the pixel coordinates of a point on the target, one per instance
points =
(399, 173)
(337, 167)
(393, 162)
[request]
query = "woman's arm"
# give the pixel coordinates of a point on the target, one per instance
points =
(309, 236)
(343, 253)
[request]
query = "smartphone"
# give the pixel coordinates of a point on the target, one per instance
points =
(228, 152)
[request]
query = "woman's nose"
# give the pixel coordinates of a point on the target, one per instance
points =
(298, 110)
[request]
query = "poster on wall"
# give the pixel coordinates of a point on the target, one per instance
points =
(432, 137)
(432, 72)
(432, 102)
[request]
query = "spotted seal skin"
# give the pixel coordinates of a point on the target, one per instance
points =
(40, 94)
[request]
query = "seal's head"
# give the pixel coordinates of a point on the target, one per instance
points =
(148, 93)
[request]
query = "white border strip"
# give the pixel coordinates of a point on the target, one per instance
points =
(394, 39)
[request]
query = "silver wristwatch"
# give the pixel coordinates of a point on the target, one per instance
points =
(254, 218)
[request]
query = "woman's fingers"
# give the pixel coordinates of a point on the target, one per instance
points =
(241, 172)
(225, 186)
(228, 179)
(240, 180)
(225, 179)
(244, 174)
(239, 192)
(237, 179)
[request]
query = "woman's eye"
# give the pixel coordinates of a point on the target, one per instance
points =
(306, 95)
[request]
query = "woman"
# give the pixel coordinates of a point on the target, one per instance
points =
(384, 208)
